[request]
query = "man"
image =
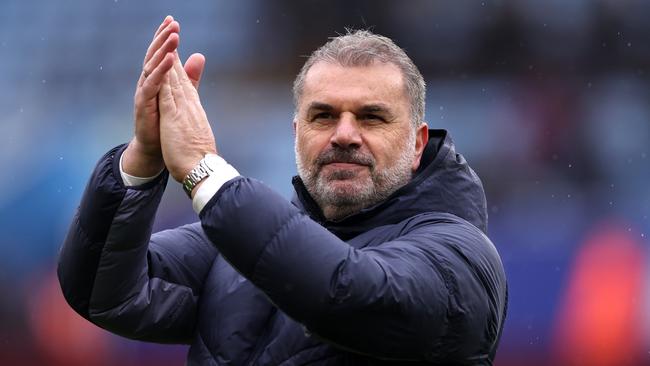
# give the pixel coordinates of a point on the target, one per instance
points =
(381, 258)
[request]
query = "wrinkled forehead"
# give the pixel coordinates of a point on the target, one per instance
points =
(336, 84)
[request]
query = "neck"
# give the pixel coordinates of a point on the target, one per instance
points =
(336, 213)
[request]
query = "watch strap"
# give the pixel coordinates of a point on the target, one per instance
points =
(201, 171)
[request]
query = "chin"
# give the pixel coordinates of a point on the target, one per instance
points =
(348, 191)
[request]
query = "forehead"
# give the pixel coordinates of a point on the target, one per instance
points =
(338, 85)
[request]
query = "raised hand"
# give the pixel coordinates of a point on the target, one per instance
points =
(143, 157)
(185, 132)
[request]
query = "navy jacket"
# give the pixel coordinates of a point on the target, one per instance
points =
(261, 281)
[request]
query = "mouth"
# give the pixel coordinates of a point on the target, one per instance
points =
(344, 165)
(343, 171)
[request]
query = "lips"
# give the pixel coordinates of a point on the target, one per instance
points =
(345, 165)
(343, 169)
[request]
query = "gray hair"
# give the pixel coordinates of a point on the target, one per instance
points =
(362, 48)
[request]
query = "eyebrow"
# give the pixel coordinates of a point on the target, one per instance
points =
(375, 108)
(368, 108)
(319, 106)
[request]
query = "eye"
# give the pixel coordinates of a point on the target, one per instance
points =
(322, 116)
(372, 118)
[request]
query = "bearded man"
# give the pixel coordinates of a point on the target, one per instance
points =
(381, 257)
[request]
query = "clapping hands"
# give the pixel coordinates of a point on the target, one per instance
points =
(171, 127)
(185, 132)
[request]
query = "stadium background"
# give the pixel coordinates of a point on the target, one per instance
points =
(548, 101)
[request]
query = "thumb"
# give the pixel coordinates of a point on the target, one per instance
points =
(194, 68)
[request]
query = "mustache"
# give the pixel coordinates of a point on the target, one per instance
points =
(339, 155)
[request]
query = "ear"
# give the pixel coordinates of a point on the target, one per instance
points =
(295, 124)
(421, 139)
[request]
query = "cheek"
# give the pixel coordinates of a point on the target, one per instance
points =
(385, 157)
(310, 143)
(381, 150)
(387, 148)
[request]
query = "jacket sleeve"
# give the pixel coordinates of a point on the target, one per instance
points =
(435, 293)
(116, 274)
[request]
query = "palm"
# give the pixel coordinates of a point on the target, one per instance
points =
(146, 158)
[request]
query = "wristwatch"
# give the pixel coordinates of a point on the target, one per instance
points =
(202, 170)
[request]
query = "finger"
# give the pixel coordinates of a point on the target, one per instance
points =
(165, 98)
(170, 46)
(175, 80)
(172, 27)
(184, 80)
(168, 19)
(194, 67)
(159, 40)
(153, 83)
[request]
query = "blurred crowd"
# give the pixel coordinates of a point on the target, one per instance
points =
(547, 100)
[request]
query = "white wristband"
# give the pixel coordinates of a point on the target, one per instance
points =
(221, 173)
(133, 181)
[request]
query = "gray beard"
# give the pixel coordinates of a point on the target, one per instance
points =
(336, 202)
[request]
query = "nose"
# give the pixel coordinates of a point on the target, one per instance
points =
(347, 133)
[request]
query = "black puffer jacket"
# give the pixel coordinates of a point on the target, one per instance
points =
(262, 281)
